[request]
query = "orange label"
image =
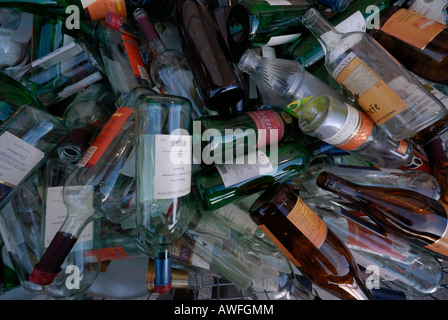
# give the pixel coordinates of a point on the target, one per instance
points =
(98, 9)
(135, 57)
(375, 97)
(279, 245)
(412, 28)
(441, 245)
(361, 134)
(403, 147)
(105, 137)
(308, 222)
(108, 254)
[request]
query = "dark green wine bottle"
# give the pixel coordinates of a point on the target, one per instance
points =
(219, 185)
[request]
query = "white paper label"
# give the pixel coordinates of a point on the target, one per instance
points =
(238, 217)
(232, 174)
(86, 3)
(347, 130)
(278, 2)
(17, 158)
(78, 86)
(59, 55)
(172, 166)
(267, 279)
(277, 40)
(355, 22)
(56, 212)
(436, 10)
(437, 93)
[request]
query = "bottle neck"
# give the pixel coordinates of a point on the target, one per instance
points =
(332, 183)
(320, 27)
(148, 30)
(162, 273)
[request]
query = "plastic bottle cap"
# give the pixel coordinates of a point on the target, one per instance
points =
(163, 289)
(42, 278)
(113, 20)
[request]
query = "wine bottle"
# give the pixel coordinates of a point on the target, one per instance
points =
(418, 181)
(264, 23)
(282, 81)
(84, 119)
(407, 213)
(164, 151)
(26, 140)
(413, 269)
(418, 43)
(208, 56)
(219, 185)
(438, 161)
(434, 10)
(169, 69)
(309, 52)
(308, 243)
(232, 135)
(99, 186)
(348, 128)
(386, 91)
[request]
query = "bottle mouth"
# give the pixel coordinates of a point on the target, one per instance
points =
(113, 20)
(248, 61)
(310, 17)
(325, 180)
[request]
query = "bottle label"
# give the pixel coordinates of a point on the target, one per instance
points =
(98, 9)
(105, 137)
(78, 86)
(412, 28)
(441, 245)
(17, 159)
(434, 10)
(267, 122)
(172, 166)
(183, 253)
(355, 131)
(243, 170)
(375, 97)
(277, 40)
(108, 254)
(403, 147)
(135, 57)
(356, 22)
(279, 2)
(238, 217)
(266, 279)
(56, 212)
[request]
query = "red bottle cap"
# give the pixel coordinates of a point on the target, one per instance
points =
(42, 278)
(113, 21)
(163, 289)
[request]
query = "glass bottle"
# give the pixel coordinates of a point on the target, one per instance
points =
(8, 276)
(100, 186)
(282, 81)
(348, 128)
(407, 213)
(418, 181)
(208, 56)
(254, 23)
(309, 52)
(402, 263)
(308, 243)
(335, 5)
(418, 43)
(62, 73)
(437, 151)
(434, 10)
(221, 184)
(84, 119)
(231, 135)
(163, 176)
(169, 68)
(386, 91)
(26, 140)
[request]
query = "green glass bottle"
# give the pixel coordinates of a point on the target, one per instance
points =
(222, 184)
(253, 23)
(308, 51)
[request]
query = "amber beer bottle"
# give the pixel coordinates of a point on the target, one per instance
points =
(419, 43)
(407, 213)
(306, 241)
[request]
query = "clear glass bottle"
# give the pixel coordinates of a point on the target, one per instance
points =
(84, 119)
(419, 181)
(386, 91)
(342, 125)
(434, 10)
(169, 68)
(304, 238)
(26, 140)
(282, 81)
(163, 176)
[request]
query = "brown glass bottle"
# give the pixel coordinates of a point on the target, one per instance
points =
(436, 151)
(307, 242)
(420, 50)
(407, 213)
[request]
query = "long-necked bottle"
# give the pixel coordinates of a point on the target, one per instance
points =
(438, 163)
(420, 44)
(169, 68)
(308, 243)
(282, 81)
(254, 23)
(221, 184)
(163, 156)
(84, 119)
(402, 263)
(208, 56)
(407, 213)
(434, 10)
(342, 125)
(386, 91)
